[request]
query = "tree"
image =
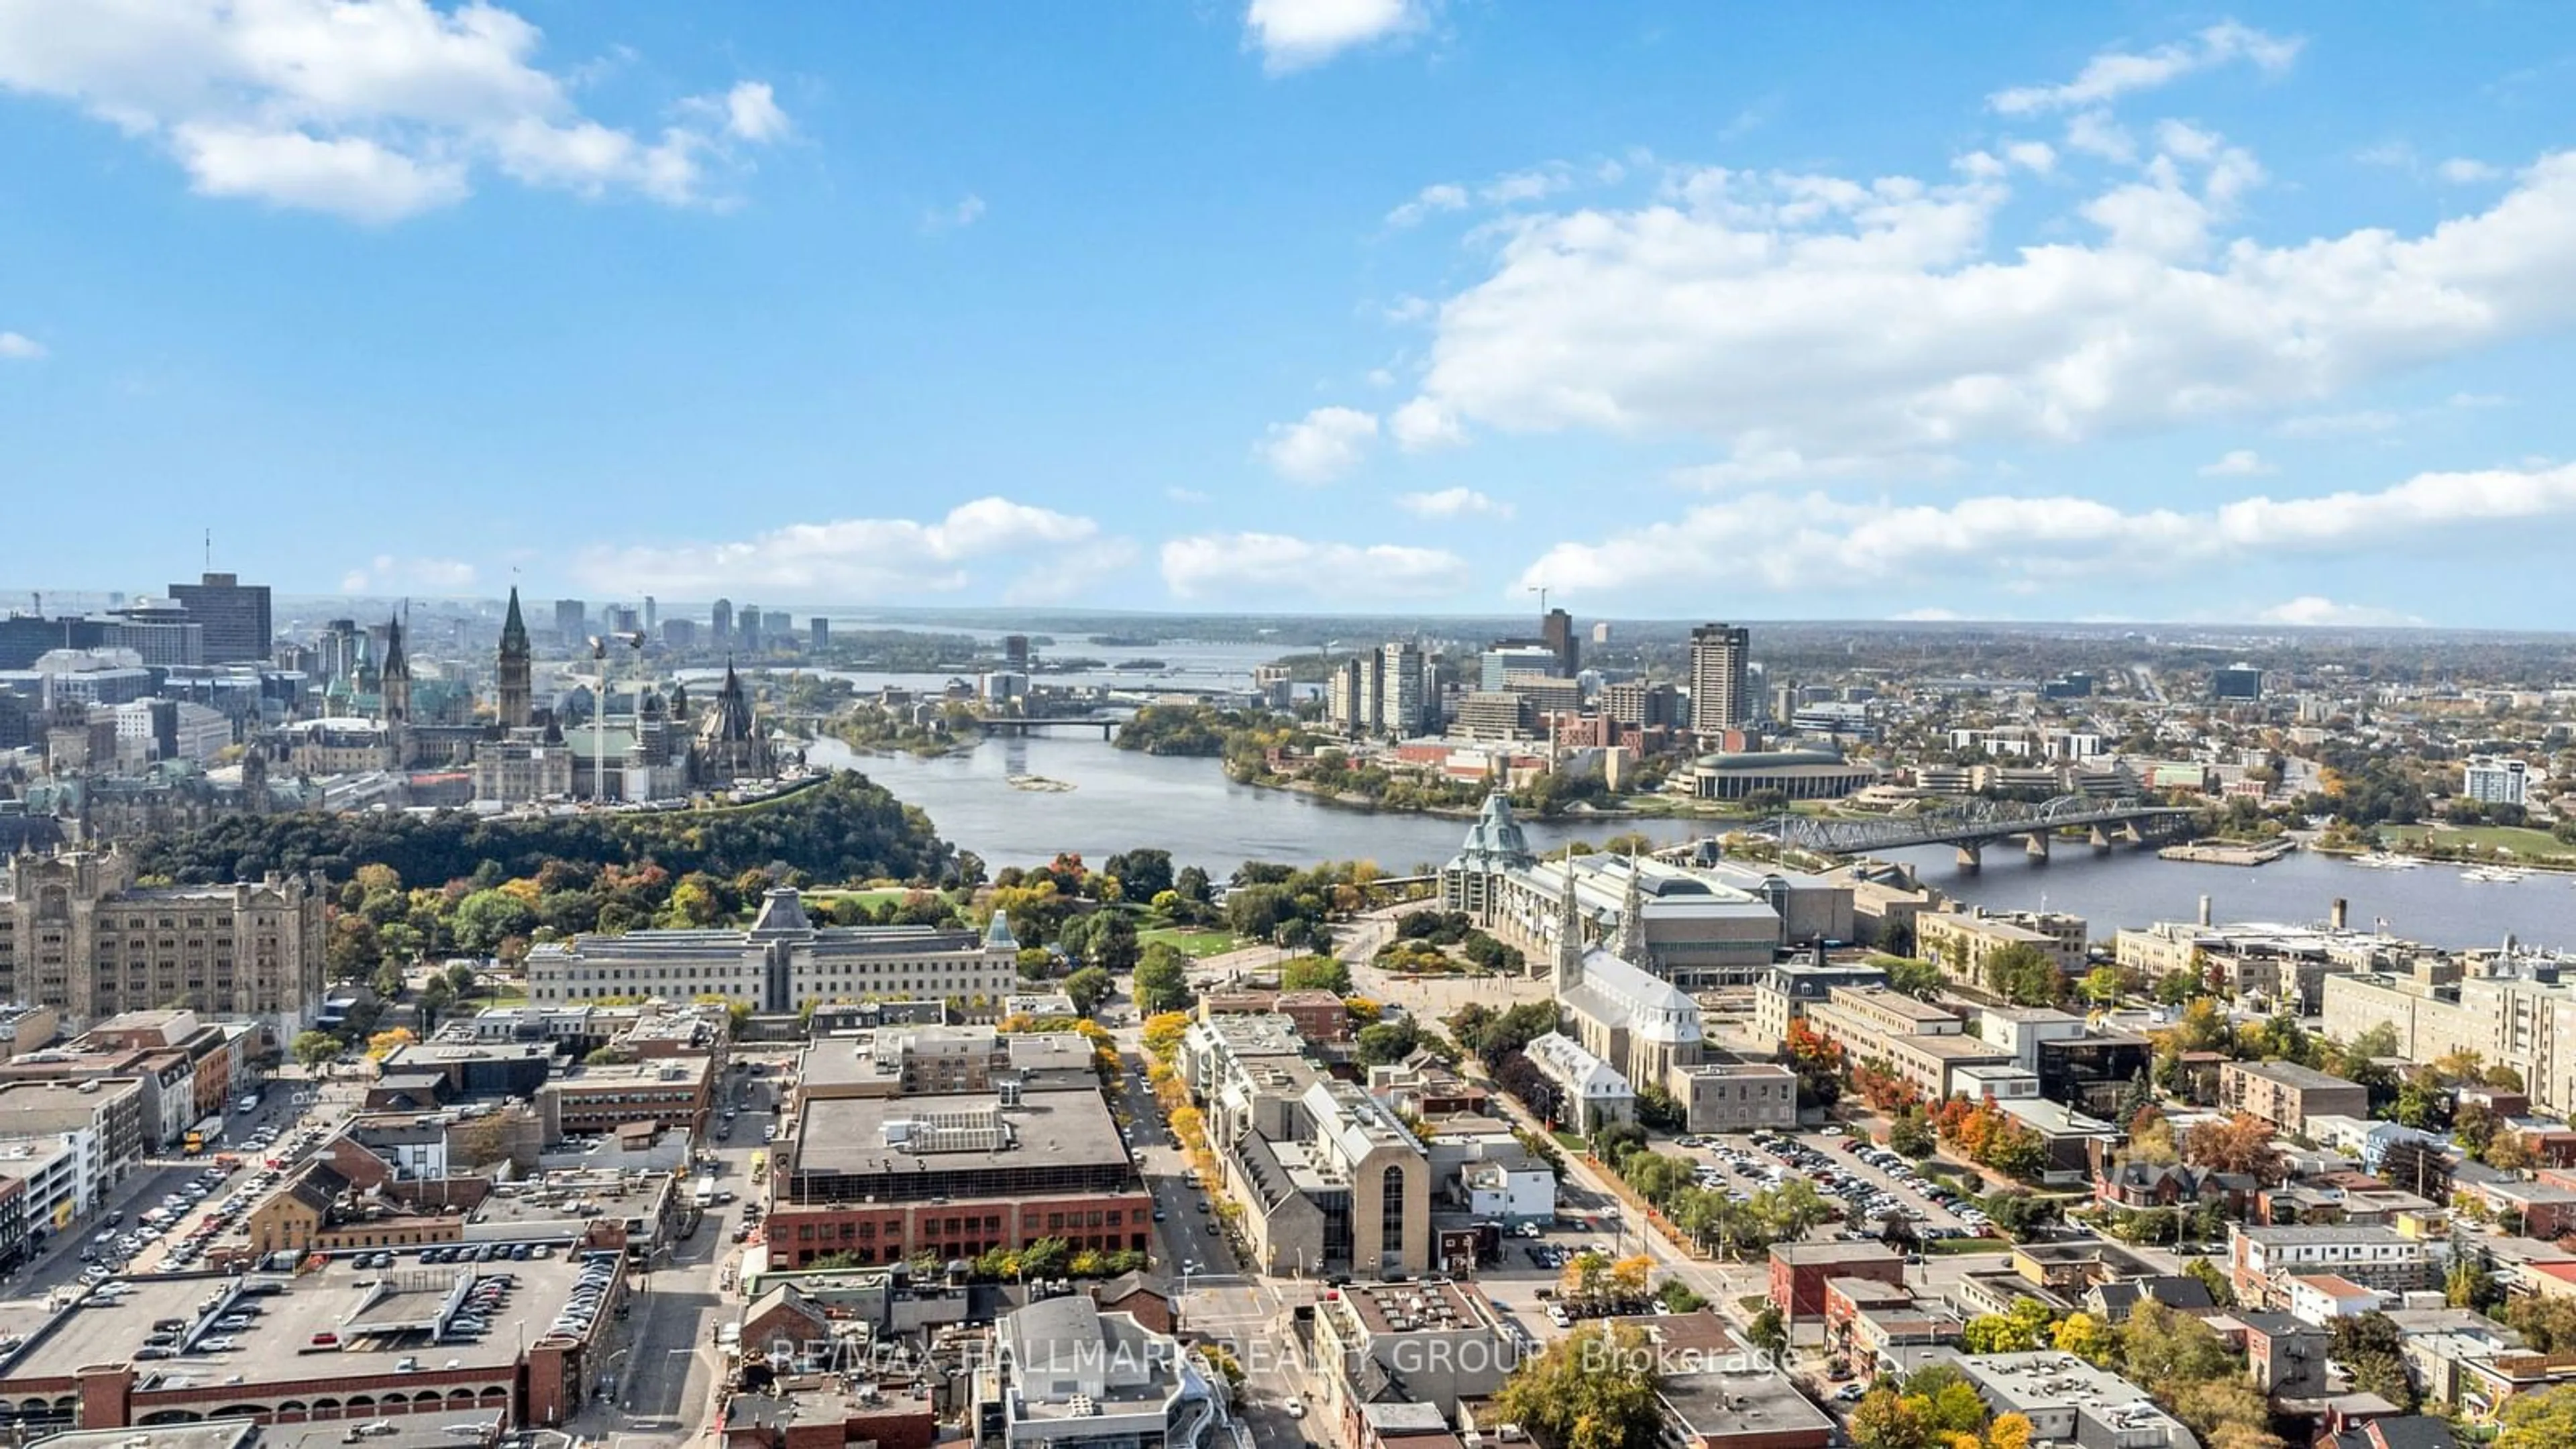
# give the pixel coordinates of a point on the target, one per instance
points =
(1882, 1420)
(1769, 1335)
(2014, 1332)
(2207, 1274)
(2544, 1420)
(314, 1050)
(2084, 1336)
(2373, 1347)
(1914, 978)
(2022, 974)
(1316, 973)
(461, 978)
(485, 917)
(2243, 1143)
(1087, 987)
(1388, 1041)
(1141, 874)
(1909, 1132)
(2102, 986)
(1595, 1389)
(384, 1043)
(1162, 981)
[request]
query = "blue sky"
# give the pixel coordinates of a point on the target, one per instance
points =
(1679, 309)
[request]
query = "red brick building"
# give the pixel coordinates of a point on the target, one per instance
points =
(951, 1176)
(1799, 1272)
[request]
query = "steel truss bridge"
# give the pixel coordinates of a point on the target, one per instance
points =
(1972, 825)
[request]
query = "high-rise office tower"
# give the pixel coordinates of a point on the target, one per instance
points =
(747, 629)
(235, 616)
(818, 631)
(652, 616)
(623, 619)
(517, 702)
(720, 623)
(1721, 697)
(572, 623)
(1557, 629)
(1015, 652)
(1404, 692)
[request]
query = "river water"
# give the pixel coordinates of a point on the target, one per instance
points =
(1123, 799)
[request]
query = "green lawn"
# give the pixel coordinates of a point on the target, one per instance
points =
(873, 896)
(1192, 941)
(1957, 1246)
(2518, 839)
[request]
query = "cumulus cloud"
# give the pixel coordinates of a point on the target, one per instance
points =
(387, 574)
(752, 113)
(2310, 611)
(369, 109)
(1321, 446)
(1266, 565)
(2463, 171)
(861, 559)
(19, 347)
(2237, 463)
(2113, 74)
(1295, 34)
(2030, 541)
(1438, 197)
(1823, 316)
(1452, 503)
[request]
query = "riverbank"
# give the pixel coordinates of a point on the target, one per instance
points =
(1650, 808)
(2229, 852)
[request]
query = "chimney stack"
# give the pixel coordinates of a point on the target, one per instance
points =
(2336, 916)
(2204, 910)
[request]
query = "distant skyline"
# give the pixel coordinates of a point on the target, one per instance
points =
(2250, 315)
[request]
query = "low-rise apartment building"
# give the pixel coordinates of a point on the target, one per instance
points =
(2286, 1094)
(1961, 942)
(2261, 1260)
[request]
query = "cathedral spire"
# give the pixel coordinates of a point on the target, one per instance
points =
(1631, 945)
(1569, 933)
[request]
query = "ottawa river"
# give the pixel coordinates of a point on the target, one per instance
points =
(1123, 799)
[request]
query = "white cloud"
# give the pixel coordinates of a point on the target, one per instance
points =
(1535, 184)
(1439, 197)
(1422, 424)
(2113, 74)
(2310, 611)
(1295, 34)
(2032, 541)
(954, 218)
(1824, 316)
(1452, 503)
(387, 574)
(857, 559)
(1761, 467)
(369, 109)
(1071, 573)
(2095, 134)
(1187, 497)
(2238, 463)
(752, 113)
(1265, 565)
(2464, 171)
(2339, 425)
(19, 347)
(1928, 615)
(2036, 156)
(1322, 446)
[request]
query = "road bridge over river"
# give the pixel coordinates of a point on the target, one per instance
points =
(1972, 825)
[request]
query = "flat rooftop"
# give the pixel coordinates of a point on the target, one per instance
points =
(2040, 1381)
(372, 1311)
(1432, 1306)
(849, 1135)
(1753, 1405)
(2291, 1074)
(1897, 1003)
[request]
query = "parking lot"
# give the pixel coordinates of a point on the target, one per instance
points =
(1869, 1182)
(201, 1206)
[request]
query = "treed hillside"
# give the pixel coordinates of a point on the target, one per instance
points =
(847, 827)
